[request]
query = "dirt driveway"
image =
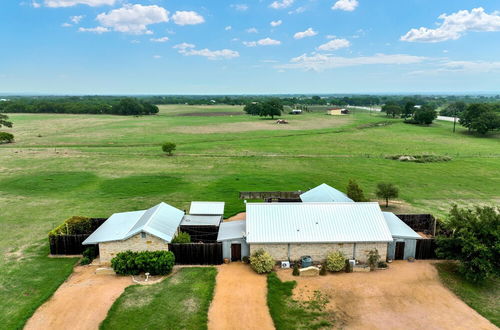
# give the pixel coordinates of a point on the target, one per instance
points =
(240, 299)
(406, 296)
(80, 303)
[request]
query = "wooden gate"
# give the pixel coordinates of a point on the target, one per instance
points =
(426, 249)
(197, 253)
(400, 251)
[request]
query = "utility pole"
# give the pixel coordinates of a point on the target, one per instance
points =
(454, 120)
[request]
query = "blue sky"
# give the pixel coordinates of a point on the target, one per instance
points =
(249, 47)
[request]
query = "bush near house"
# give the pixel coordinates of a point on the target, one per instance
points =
(373, 259)
(182, 238)
(261, 261)
(335, 261)
(134, 263)
(75, 225)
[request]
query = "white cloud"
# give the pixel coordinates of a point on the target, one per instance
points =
(133, 19)
(76, 19)
(346, 5)
(298, 10)
(98, 29)
(135, 41)
(455, 26)
(471, 66)
(240, 7)
(156, 56)
(70, 3)
(331, 36)
(66, 25)
(187, 18)
(276, 23)
(262, 42)
(334, 44)
(320, 62)
(35, 4)
(229, 27)
(162, 39)
(307, 33)
(189, 50)
(281, 4)
(251, 30)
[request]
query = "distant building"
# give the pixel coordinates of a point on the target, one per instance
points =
(296, 112)
(337, 111)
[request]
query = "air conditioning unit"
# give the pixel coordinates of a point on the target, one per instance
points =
(285, 264)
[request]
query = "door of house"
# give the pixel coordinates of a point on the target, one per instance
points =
(400, 251)
(235, 252)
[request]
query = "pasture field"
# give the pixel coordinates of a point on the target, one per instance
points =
(94, 165)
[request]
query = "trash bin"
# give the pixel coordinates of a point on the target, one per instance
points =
(306, 261)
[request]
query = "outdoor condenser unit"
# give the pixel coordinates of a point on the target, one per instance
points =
(285, 264)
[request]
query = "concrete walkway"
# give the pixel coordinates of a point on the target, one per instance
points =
(80, 303)
(240, 300)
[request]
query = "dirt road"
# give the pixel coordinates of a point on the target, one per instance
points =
(240, 300)
(406, 296)
(80, 303)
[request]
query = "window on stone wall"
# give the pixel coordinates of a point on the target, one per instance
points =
(143, 235)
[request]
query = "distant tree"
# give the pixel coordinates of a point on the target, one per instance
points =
(408, 110)
(272, 107)
(387, 191)
(392, 109)
(4, 121)
(168, 147)
(454, 109)
(355, 192)
(480, 117)
(253, 108)
(473, 239)
(425, 115)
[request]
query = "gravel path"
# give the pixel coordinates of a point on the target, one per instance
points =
(406, 296)
(240, 300)
(80, 303)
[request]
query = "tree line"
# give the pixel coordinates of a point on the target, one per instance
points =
(114, 106)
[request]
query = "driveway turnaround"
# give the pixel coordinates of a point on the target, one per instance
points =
(240, 300)
(405, 296)
(80, 303)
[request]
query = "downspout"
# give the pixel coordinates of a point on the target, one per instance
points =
(354, 251)
(288, 253)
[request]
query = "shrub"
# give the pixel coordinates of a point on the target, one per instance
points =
(75, 225)
(6, 137)
(261, 262)
(382, 264)
(90, 253)
(373, 259)
(153, 262)
(182, 238)
(348, 266)
(246, 259)
(335, 261)
(322, 271)
(355, 192)
(168, 147)
(85, 261)
(296, 271)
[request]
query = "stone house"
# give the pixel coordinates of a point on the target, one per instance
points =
(291, 230)
(146, 230)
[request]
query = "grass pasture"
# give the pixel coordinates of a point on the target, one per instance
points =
(94, 165)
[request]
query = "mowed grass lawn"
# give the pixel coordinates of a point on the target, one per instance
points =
(179, 302)
(92, 165)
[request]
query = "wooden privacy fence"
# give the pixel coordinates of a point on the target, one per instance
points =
(426, 249)
(270, 194)
(72, 244)
(197, 253)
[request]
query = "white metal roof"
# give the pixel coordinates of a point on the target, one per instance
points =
(207, 208)
(161, 221)
(201, 220)
(231, 230)
(324, 194)
(315, 223)
(398, 228)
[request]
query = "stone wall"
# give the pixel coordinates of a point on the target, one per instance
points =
(319, 251)
(108, 250)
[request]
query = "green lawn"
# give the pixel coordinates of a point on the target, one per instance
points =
(483, 297)
(179, 302)
(289, 314)
(95, 165)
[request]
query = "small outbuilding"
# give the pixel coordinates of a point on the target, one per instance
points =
(325, 194)
(202, 222)
(232, 237)
(146, 230)
(337, 111)
(404, 242)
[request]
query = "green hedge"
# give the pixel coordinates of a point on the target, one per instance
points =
(75, 225)
(134, 263)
